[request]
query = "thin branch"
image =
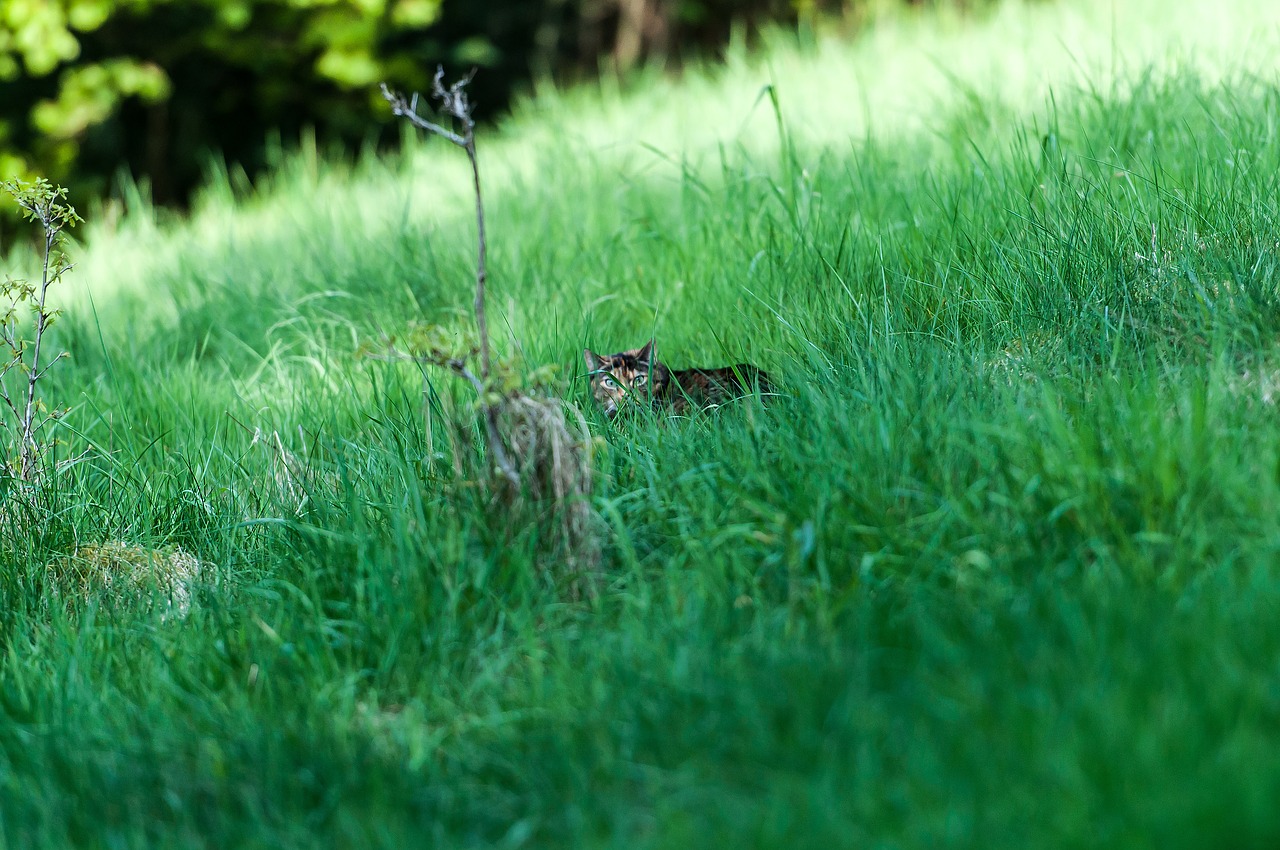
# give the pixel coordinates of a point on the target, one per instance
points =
(461, 368)
(29, 446)
(482, 272)
(454, 102)
(409, 111)
(49, 365)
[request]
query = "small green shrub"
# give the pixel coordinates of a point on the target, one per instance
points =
(26, 416)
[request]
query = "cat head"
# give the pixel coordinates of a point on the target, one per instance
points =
(628, 378)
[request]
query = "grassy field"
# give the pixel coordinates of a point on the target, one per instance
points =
(999, 566)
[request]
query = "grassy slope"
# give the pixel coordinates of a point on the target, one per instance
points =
(999, 570)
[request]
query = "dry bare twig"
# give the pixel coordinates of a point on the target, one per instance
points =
(453, 101)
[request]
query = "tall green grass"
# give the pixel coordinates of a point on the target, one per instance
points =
(996, 568)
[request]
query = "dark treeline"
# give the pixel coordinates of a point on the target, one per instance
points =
(90, 88)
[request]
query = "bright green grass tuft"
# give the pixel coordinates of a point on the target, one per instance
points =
(996, 568)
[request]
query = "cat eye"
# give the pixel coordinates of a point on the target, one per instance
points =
(609, 383)
(639, 380)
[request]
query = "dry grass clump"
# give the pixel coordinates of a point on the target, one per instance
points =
(120, 573)
(551, 447)
(1257, 384)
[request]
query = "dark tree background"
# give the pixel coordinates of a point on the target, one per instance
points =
(89, 88)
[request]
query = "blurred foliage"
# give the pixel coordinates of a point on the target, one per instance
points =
(158, 87)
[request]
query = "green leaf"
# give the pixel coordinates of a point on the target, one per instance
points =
(90, 94)
(87, 15)
(415, 13)
(351, 68)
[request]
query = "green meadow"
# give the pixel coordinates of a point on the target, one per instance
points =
(997, 567)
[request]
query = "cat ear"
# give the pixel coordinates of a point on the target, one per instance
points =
(645, 355)
(594, 361)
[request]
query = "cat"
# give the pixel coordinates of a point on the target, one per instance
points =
(630, 378)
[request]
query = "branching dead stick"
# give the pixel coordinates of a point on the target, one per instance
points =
(453, 101)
